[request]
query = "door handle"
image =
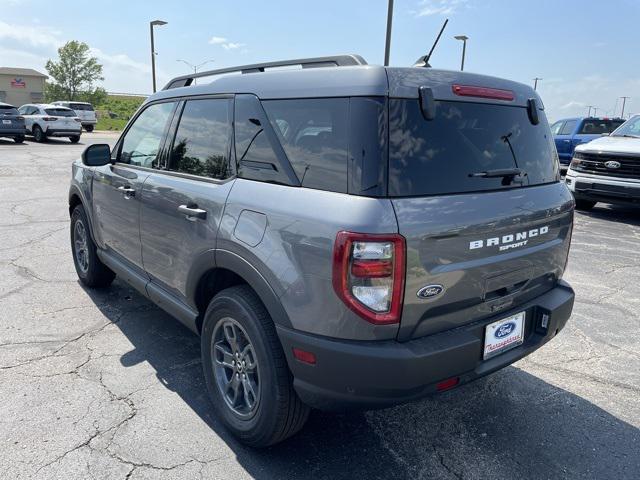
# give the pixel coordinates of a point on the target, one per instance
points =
(128, 191)
(192, 212)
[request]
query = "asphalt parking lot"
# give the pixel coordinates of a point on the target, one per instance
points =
(106, 385)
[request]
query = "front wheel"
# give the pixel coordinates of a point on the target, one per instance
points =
(90, 269)
(74, 138)
(246, 372)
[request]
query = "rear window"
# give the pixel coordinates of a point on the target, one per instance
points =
(437, 157)
(81, 106)
(314, 134)
(5, 110)
(599, 126)
(60, 112)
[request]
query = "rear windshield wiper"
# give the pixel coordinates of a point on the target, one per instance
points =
(499, 172)
(508, 175)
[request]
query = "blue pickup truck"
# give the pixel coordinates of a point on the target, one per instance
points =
(570, 132)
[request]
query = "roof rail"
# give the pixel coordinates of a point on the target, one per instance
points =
(316, 62)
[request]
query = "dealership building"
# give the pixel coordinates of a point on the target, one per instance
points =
(21, 85)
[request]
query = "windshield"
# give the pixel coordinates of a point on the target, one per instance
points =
(630, 128)
(7, 110)
(60, 112)
(467, 147)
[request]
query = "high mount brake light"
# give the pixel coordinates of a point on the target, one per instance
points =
(368, 274)
(483, 92)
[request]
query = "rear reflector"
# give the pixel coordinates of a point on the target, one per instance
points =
(447, 384)
(304, 356)
(483, 92)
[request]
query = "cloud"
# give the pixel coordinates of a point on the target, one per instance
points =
(438, 7)
(29, 35)
(225, 43)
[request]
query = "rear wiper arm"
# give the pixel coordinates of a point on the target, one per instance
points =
(498, 173)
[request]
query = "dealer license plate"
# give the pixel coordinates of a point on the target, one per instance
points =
(503, 335)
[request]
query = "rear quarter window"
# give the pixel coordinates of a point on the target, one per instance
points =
(437, 157)
(314, 134)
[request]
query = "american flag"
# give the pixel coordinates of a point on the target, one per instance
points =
(18, 83)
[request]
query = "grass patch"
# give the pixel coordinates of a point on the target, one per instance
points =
(116, 110)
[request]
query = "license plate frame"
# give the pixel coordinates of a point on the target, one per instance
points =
(503, 335)
(6, 122)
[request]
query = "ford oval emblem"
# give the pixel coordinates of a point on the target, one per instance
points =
(612, 164)
(505, 330)
(430, 291)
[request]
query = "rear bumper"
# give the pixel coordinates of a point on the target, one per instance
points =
(13, 132)
(361, 375)
(88, 122)
(601, 188)
(55, 132)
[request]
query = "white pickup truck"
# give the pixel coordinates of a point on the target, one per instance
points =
(607, 169)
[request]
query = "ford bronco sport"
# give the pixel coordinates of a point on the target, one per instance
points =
(339, 235)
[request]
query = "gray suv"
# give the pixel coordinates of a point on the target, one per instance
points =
(341, 236)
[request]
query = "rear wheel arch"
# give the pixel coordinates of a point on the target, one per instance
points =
(231, 270)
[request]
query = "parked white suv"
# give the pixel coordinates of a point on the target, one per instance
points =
(45, 120)
(607, 169)
(85, 112)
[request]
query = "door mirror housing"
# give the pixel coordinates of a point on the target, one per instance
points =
(96, 155)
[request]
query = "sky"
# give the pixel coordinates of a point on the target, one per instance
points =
(586, 52)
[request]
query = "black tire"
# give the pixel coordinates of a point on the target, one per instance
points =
(278, 412)
(19, 139)
(585, 204)
(38, 134)
(91, 271)
(88, 128)
(74, 138)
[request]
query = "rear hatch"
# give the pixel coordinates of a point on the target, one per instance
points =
(10, 119)
(477, 196)
(62, 118)
(84, 111)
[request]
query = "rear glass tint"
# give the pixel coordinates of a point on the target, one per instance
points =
(81, 106)
(60, 112)
(599, 126)
(314, 134)
(6, 110)
(437, 157)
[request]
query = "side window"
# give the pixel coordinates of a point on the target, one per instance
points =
(314, 134)
(258, 152)
(201, 145)
(568, 127)
(142, 141)
(555, 128)
(23, 110)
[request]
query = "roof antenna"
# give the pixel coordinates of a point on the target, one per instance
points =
(424, 60)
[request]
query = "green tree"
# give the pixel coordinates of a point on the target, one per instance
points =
(74, 73)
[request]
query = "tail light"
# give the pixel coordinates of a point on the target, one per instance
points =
(368, 274)
(19, 117)
(483, 92)
(77, 120)
(50, 119)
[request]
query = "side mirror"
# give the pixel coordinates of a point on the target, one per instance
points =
(532, 110)
(96, 155)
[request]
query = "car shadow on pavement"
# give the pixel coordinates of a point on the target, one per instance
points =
(629, 214)
(509, 425)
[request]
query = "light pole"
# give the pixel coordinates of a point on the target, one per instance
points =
(535, 83)
(153, 50)
(590, 107)
(387, 45)
(195, 67)
(624, 101)
(464, 39)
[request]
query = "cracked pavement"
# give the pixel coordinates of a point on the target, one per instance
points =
(105, 385)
